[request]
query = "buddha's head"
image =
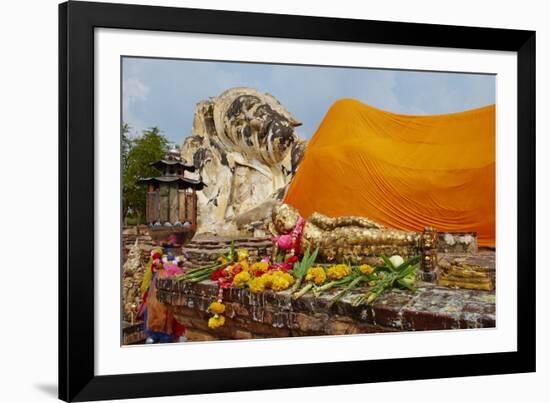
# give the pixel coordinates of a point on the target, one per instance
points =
(254, 124)
(284, 218)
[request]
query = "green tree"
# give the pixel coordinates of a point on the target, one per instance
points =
(125, 146)
(151, 146)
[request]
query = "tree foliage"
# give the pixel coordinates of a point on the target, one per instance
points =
(125, 146)
(136, 156)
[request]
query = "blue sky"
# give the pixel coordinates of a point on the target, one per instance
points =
(164, 92)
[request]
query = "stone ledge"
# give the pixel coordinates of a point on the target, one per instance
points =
(271, 314)
(133, 334)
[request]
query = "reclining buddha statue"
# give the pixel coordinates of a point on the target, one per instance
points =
(352, 239)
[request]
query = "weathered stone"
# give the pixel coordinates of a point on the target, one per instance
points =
(242, 334)
(197, 335)
(239, 309)
(262, 328)
(183, 311)
(310, 323)
(133, 334)
(341, 327)
(132, 277)
(365, 328)
(245, 147)
(434, 308)
(388, 312)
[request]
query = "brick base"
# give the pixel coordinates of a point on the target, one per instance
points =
(271, 314)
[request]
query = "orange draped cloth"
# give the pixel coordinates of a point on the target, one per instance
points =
(406, 172)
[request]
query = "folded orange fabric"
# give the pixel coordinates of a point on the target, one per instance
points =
(404, 171)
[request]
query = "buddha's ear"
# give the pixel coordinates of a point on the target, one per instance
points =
(276, 210)
(274, 214)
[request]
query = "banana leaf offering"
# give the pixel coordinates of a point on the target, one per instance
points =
(390, 275)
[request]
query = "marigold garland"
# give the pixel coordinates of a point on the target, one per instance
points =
(244, 265)
(338, 271)
(216, 321)
(366, 269)
(268, 280)
(241, 278)
(317, 275)
(256, 284)
(280, 283)
(259, 267)
(287, 276)
(235, 269)
(216, 307)
(277, 280)
(281, 280)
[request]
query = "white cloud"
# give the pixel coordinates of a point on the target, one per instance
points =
(164, 93)
(133, 91)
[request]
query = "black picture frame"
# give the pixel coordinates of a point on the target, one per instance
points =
(77, 21)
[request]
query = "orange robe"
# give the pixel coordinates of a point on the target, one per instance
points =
(406, 172)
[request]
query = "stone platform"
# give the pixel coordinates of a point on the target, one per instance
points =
(133, 334)
(271, 314)
(203, 250)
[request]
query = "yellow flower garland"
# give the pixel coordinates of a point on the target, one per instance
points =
(259, 266)
(366, 269)
(216, 307)
(338, 271)
(216, 321)
(256, 284)
(244, 265)
(283, 274)
(241, 278)
(281, 283)
(317, 275)
(277, 281)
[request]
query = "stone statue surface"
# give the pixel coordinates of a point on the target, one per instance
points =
(132, 276)
(344, 239)
(245, 147)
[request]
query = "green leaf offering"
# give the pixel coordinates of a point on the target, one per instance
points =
(300, 268)
(403, 276)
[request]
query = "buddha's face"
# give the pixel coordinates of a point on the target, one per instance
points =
(284, 218)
